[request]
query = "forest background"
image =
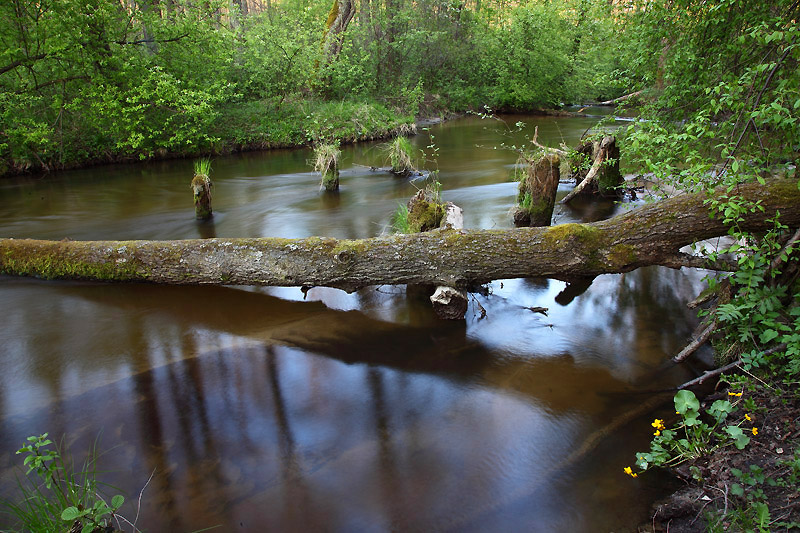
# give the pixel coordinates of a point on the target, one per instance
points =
(97, 80)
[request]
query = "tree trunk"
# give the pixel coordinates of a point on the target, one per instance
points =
(650, 235)
(339, 18)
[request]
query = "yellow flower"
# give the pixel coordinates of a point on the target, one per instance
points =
(628, 470)
(658, 424)
(755, 431)
(747, 417)
(734, 394)
(657, 433)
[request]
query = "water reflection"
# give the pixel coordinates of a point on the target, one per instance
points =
(267, 408)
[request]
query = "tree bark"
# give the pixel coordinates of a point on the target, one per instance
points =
(537, 192)
(339, 18)
(650, 235)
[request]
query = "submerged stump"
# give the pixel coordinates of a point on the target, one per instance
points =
(424, 212)
(326, 162)
(450, 303)
(537, 192)
(201, 189)
(330, 179)
(604, 155)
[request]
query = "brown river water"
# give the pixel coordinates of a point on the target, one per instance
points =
(255, 409)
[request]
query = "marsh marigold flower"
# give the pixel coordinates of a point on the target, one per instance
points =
(628, 470)
(755, 431)
(658, 424)
(747, 417)
(734, 394)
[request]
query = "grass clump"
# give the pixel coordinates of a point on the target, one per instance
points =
(326, 162)
(202, 167)
(400, 219)
(60, 497)
(201, 189)
(401, 155)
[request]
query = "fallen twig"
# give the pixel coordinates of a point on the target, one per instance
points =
(695, 344)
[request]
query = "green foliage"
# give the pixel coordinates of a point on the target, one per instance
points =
(724, 97)
(99, 80)
(400, 219)
(696, 434)
(202, 167)
(400, 154)
(278, 52)
(59, 497)
(749, 505)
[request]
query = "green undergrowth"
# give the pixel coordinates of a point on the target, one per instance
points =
(297, 122)
(55, 494)
(232, 126)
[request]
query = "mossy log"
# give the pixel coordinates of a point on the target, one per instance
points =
(650, 235)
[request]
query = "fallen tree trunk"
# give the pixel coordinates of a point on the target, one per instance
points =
(650, 235)
(615, 101)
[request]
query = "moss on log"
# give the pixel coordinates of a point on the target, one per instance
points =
(650, 235)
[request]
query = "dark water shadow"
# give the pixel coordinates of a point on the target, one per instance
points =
(431, 346)
(207, 228)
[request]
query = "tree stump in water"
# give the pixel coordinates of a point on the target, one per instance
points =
(604, 155)
(201, 188)
(330, 179)
(425, 211)
(326, 162)
(537, 192)
(449, 303)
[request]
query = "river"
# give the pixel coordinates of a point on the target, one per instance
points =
(259, 409)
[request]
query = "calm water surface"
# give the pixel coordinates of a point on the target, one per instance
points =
(256, 409)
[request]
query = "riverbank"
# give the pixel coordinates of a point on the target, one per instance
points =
(293, 122)
(748, 489)
(233, 127)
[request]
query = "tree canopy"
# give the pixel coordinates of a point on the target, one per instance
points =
(115, 79)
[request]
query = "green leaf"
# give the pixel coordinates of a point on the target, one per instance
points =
(685, 401)
(720, 409)
(768, 335)
(737, 490)
(117, 501)
(70, 514)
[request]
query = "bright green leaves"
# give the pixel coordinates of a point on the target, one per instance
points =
(62, 493)
(685, 401)
(695, 434)
(740, 439)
